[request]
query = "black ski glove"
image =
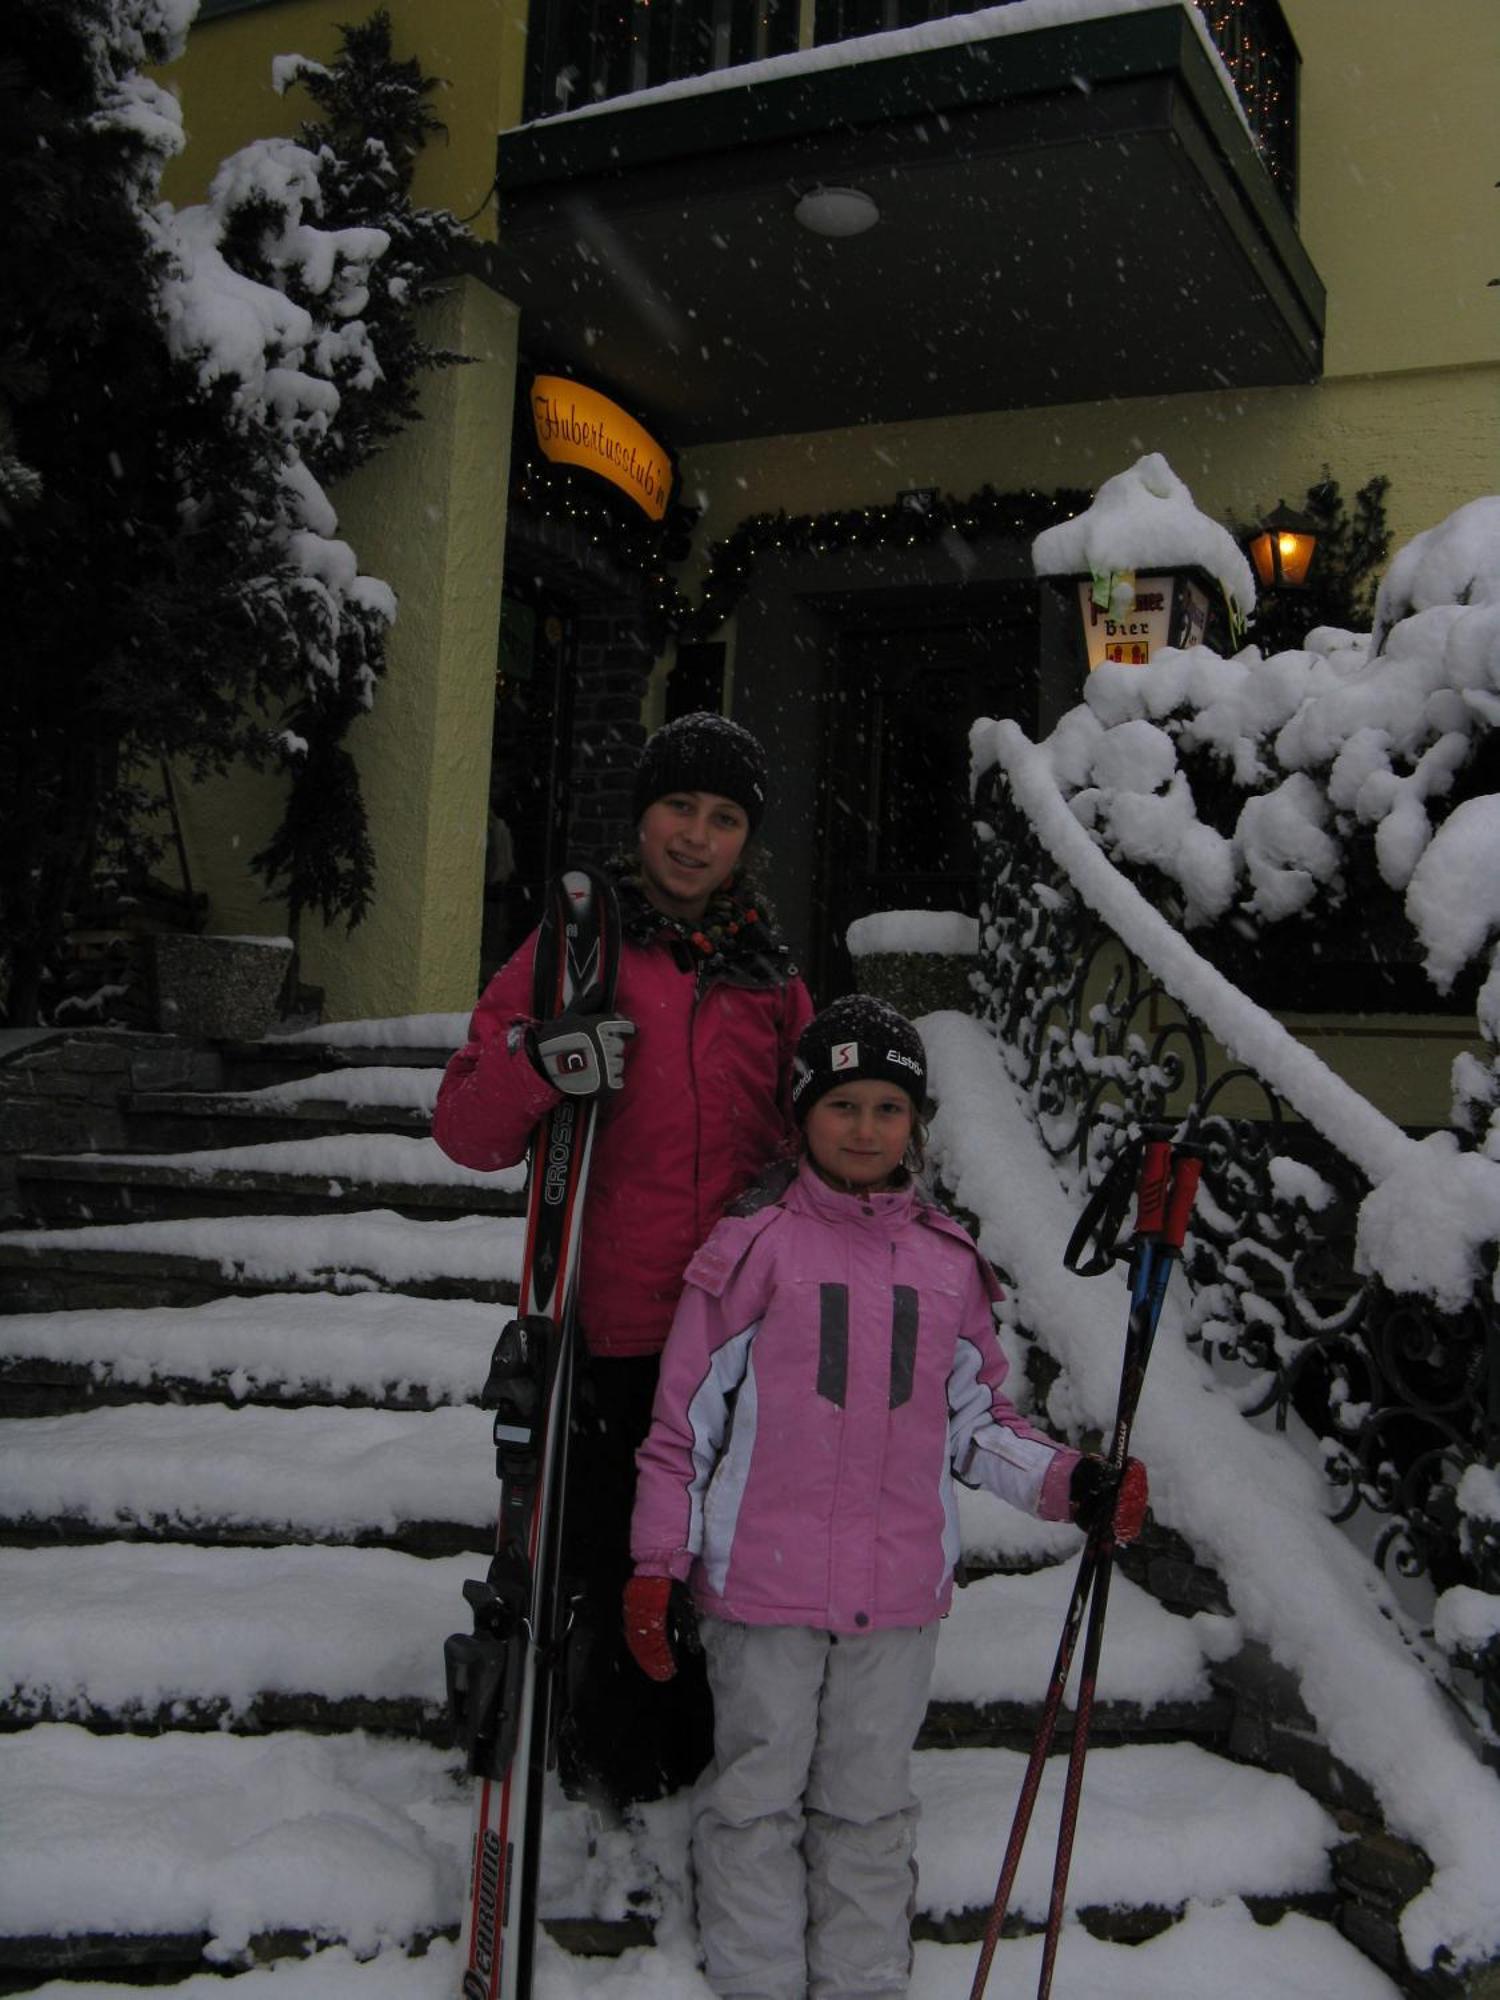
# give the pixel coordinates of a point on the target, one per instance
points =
(581, 1054)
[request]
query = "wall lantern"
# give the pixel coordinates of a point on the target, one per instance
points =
(1129, 616)
(1282, 553)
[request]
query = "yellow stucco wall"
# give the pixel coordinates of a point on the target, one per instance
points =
(476, 49)
(1436, 435)
(1398, 167)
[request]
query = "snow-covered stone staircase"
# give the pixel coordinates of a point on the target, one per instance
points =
(241, 1482)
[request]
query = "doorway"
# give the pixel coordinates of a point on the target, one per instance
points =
(529, 764)
(896, 828)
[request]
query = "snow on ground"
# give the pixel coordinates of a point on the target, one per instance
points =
(999, 1640)
(292, 1344)
(914, 930)
(362, 1838)
(133, 1627)
(1295, 1960)
(319, 1472)
(399, 1031)
(395, 1084)
(352, 1837)
(371, 1247)
(1161, 1822)
(136, 1626)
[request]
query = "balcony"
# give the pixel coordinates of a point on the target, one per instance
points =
(1067, 212)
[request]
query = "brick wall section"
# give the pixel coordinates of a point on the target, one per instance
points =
(613, 664)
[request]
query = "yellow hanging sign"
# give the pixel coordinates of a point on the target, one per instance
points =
(575, 425)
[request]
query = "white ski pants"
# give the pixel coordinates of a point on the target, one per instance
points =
(805, 1825)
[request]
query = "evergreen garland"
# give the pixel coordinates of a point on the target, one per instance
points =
(650, 551)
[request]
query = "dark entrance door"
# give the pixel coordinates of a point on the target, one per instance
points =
(529, 763)
(896, 823)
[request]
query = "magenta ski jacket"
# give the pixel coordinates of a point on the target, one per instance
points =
(832, 1367)
(704, 1104)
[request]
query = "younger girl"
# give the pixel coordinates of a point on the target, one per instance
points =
(831, 1367)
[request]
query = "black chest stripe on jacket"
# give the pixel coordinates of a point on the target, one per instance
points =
(833, 1343)
(903, 1344)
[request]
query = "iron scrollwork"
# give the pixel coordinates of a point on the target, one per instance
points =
(1400, 1400)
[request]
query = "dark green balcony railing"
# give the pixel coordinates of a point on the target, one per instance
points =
(584, 51)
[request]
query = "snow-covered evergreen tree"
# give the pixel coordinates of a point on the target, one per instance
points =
(171, 391)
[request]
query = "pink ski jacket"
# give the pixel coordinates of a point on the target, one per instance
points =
(704, 1104)
(832, 1367)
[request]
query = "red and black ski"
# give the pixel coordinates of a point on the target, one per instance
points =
(502, 1675)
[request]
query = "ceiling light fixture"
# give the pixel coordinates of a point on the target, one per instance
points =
(837, 211)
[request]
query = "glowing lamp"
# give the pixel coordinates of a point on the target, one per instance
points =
(1282, 553)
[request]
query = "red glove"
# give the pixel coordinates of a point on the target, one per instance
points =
(646, 1602)
(1098, 1494)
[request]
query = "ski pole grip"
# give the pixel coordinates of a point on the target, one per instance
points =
(1151, 1189)
(1187, 1170)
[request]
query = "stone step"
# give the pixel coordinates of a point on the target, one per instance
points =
(173, 1121)
(177, 1849)
(379, 1097)
(289, 1059)
(354, 1349)
(421, 1480)
(92, 1187)
(147, 1840)
(998, 1646)
(191, 1260)
(1163, 1824)
(141, 1637)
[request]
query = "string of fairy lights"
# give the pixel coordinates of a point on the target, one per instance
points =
(650, 550)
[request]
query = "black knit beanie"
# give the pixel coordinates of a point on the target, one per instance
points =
(703, 752)
(855, 1038)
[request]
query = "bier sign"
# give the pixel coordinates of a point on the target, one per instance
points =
(1141, 615)
(576, 425)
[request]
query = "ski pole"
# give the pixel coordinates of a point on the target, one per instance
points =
(1145, 1315)
(1098, 1226)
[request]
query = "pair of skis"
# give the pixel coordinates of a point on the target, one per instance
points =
(502, 1675)
(1166, 1180)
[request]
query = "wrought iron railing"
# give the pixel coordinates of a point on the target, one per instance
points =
(584, 51)
(1402, 1400)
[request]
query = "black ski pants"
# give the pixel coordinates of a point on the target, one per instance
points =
(633, 1737)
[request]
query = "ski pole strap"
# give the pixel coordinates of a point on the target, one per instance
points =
(1094, 1244)
(1187, 1171)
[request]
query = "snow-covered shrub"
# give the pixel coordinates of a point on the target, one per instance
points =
(1343, 791)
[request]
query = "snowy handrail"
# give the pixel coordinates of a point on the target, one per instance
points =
(1366, 1136)
(1340, 1261)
